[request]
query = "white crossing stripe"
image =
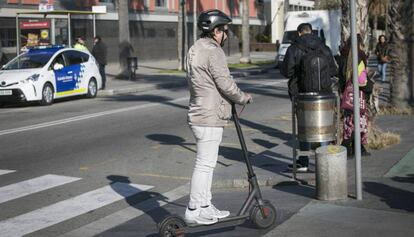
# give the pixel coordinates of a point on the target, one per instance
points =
(6, 171)
(34, 185)
(64, 210)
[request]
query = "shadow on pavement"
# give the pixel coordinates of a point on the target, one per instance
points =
(296, 188)
(148, 98)
(408, 179)
(273, 132)
(166, 139)
(156, 216)
(395, 198)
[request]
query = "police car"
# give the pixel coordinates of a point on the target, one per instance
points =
(47, 73)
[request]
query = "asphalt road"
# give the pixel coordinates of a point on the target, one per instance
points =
(64, 166)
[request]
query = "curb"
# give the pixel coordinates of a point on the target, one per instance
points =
(263, 182)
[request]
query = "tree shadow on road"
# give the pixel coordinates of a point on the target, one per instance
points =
(146, 98)
(272, 132)
(395, 198)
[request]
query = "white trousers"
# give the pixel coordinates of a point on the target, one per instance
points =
(208, 140)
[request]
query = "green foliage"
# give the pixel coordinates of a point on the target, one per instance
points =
(262, 38)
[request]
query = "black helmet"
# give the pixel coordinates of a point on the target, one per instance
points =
(210, 19)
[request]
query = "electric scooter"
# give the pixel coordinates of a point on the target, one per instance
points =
(261, 212)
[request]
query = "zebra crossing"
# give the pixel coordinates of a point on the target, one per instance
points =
(55, 213)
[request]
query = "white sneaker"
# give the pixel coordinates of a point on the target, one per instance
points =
(199, 216)
(214, 212)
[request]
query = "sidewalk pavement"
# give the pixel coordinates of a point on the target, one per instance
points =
(387, 207)
(161, 74)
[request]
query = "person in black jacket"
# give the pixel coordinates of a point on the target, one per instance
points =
(291, 69)
(99, 52)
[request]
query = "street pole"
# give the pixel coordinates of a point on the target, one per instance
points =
(94, 24)
(69, 32)
(194, 21)
(17, 35)
(245, 34)
(357, 134)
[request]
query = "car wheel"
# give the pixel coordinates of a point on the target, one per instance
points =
(92, 88)
(47, 94)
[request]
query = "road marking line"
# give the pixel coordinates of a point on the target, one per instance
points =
(64, 210)
(83, 117)
(87, 167)
(6, 171)
(129, 213)
(160, 176)
(34, 185)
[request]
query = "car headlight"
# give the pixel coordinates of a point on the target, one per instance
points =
(32, 78)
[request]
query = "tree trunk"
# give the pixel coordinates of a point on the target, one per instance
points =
(362, 20)
(412, 50)
(180, 36)
(345, 21)
(245, 33)
(399, 28)
(125, 48)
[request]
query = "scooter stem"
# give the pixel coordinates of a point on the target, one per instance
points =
(242, 142)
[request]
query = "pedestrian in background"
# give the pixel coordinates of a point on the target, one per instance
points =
(80, 44)
(300, 81)
(346, 88)
(99, 51)
(212, 90)
(382, 52)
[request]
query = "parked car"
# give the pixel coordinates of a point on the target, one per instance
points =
(47, 73)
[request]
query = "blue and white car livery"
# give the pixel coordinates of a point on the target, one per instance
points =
(47, 73)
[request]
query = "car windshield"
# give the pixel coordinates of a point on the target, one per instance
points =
(290, 36)
(29, 60)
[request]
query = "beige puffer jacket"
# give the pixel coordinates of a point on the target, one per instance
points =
(212, 88)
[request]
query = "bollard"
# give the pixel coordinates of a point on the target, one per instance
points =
(331, 173)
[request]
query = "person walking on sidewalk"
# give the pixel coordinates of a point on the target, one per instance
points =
(80, 44)
(99, 52)
(346, 88)
(212, 90)
(382, 52)
(295, 66)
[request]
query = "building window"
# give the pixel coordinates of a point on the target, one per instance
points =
(160, 3)
(8, 37)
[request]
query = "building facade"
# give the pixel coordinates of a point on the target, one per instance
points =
(153, 24)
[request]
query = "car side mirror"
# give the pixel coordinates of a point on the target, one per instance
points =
(57, 66)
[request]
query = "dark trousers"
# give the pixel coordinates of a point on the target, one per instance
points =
(307, 146)
(103, 75)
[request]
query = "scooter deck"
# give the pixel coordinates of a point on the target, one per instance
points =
(223, 220)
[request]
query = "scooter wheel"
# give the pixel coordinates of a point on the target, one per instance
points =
(172, 226)
(265, 219)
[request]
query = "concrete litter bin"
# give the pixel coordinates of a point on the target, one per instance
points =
(331, 173)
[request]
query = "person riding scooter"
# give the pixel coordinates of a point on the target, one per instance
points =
(212, 90)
